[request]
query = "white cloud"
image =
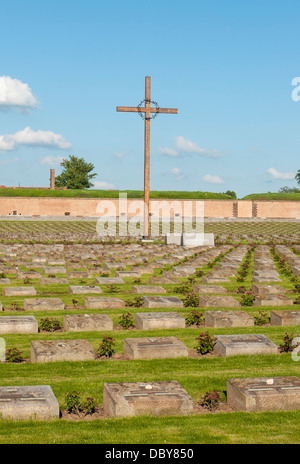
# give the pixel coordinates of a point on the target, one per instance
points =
(185, 145)
(28, 137)
(104, 185)
(120, 154)
(168, 151)
(52, 160)
(281, 175)
(15, 94)
(179, 173)
(213, 179)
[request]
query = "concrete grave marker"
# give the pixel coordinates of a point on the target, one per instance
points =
(285, 317)
(154, 348)
(84, 290)
(18, 325)
(87, 322)
(162, 302)
(147, 289)
(218, 301)
(228, 319)
(102, 302)
(231, 345)
(159, 320)
(18, 291)
(61, 350)
(264, 394)
(28, 402)
(150, 398)
(43, 304)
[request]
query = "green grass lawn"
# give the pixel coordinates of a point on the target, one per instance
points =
(93, 193)
(273, 196)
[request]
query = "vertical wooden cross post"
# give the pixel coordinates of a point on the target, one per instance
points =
(146, 111)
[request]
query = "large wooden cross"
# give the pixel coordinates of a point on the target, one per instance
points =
(146, 112)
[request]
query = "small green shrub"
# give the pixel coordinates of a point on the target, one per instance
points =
(77, 405)
(205, 343)
(262, 318)
(191, 300)
(210, 400)
(14, 355)
(287, 346)
(184, 288)
(50, 324)
(135, 302)
(126, 320)
(106, 347)
(247, 299)
(194, 317)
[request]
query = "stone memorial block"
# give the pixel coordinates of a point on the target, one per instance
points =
(218, 301)
(146, 398)
(208, 289)
(173, 239)
(5, 281)
(18, 325)
(28, 275)
(84, 290)
(9, 270)
(61, 350)
(159, 320)
(18, 291)
(185, 270)
(2, 350)
(102, 302)
(264, 394)
(154, 348)
(133, 274)
(147, 289)
(56, 262)
(87, 323)
(54, 281)
(267, 289)
(43, 304)
(28, 402)
(197, 239)
(109, 280)
(231, 345)
(54, 270)
(162, 302)
(78, 275)
(115, 266)
(1, 307)
(272, 300)
(285, 317)
(210, 279)
(228, 319)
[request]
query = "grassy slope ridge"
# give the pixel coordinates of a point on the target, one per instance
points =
(19, 192)
(273, 196)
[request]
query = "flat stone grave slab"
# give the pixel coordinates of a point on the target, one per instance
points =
(109, 280)
(5, 281)
(78, 275)
(163, 280)
(159, 320)
(115, 266)
(218, 301)
(9, 270)
(84, 290)
(1, 307)
(208, 289)
(43, 304)
(147, 289)
(263, 279)
(128, 274)
(146, 398)
(28, 275)
(154, 348)
(102, 302)
(28, 402)
(18, 291)
(162, 302)
(54, 270)
(54, 281)
(228, 319)
(56, 262)
(214, 279)
(18, 325)
(231, 345)
(184, 269)
(264, 394)
(272, 300)
(87, 323)
(145, 270)
(61, 350)
(285, 317)
(267, 289)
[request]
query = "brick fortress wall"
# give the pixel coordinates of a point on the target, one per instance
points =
(93, 207)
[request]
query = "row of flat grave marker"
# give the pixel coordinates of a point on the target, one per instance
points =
(156, 398)
(292, 259)
(264, 269)
(147, 321)
(227, 267)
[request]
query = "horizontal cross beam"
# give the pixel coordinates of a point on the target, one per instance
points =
(134, 109)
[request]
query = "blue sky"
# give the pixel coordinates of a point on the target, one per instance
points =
(227, 65)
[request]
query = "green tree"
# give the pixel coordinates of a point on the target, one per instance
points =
(297, 177)
(231, 194)
(76, 174)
